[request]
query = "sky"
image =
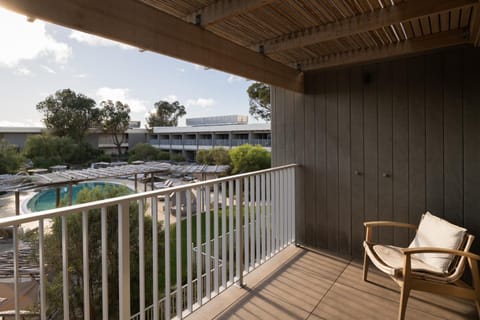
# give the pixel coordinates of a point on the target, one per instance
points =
(37, 59)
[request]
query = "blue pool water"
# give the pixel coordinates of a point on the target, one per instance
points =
(45, 200)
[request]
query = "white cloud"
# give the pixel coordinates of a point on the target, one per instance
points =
(123, 95)
(21, 40)
(80, 75)
(48, 69)
(95, 41)
(182, 70)
(200, 102)
(23, 71)
(233, 78)
(170, 98)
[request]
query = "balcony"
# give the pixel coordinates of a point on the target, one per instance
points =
(275, 279)
(117, 253)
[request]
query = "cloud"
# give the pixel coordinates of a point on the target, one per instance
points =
(21, 40)
(233, 78)
(123, 95)
(80, 75)
(23, 71)
(48, 69)
(95, 41)
(170, 98)
(204, 103)
(182, 70)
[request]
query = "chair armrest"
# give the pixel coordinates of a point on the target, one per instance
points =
(369, 224)
(410, 251)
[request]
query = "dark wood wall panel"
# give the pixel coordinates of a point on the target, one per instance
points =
(416, 147)
(321, 229)
(357, 159)
(344, 165)
(471, 127)
(434, 134)
(400, 150)
(332, 190)
(383, 141)
(453, 132)
(385, 149)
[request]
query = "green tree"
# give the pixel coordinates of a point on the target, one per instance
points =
(10, 159)
(259, 95)
(215, 156)
(246, 158)
(166, 114)
(47, 150)
(147, 152)
(69, 114)
(116, 118)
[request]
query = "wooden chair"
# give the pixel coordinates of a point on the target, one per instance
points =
(411, 273)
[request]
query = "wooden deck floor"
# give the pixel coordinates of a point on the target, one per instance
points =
(301, 284)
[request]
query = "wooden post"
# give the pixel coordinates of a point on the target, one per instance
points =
(70, 194)
(136, 183)
(57, 197)
(17, 202)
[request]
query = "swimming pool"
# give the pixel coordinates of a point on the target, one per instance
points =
(45, 200)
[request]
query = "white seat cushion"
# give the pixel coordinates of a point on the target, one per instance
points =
(436, 232)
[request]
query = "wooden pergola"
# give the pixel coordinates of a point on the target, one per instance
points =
(273, 41)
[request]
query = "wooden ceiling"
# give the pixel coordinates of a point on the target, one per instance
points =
(273, 41)
(310, 34)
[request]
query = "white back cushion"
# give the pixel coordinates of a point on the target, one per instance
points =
(436, 232)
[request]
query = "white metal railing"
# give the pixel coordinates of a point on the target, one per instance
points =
(261, 205)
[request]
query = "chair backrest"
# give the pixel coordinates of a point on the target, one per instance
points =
(458, 265)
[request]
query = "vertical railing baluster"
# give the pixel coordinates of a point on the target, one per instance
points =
(284, 207)
(207, 244)
(263, 254)
(246, 242)
(124, 260)
(252, 222)
(41, 253)
(215, 238)
(199, 247)
(154, 212)
(268, 214)
(277, 211)
(178, 222)
(189, 249)
(224, 235)
(258, 220)
(231, 232)
(86, 273)
(66, 283)
(240, 241)
(16, 273)
(104, 244)
(293, 205)
(273, 217)
(167, 257)
(141, 258)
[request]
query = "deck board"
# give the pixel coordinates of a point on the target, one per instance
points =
(302, 284)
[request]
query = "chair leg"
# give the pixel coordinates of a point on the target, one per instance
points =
(405, 292)
(365, 266)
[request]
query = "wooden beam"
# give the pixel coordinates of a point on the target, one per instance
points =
(404, 48)
(224, 9)
(139, 25)
(474, 31)
(362, 23)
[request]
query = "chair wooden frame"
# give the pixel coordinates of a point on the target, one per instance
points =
(409, 280)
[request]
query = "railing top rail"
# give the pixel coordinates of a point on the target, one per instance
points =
(58, 212)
